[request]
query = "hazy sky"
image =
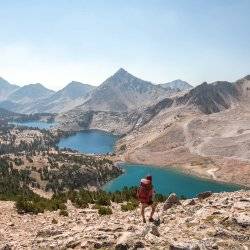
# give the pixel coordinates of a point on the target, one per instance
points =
(55, 42)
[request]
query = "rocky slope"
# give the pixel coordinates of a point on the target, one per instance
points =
(205, 98)
(208, 138)
(122, 92)
(221, 221)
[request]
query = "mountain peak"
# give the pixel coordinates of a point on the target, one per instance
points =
(121, 71)
(177, 85)
(247, 78)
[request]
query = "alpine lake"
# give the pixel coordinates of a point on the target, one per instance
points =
(166, 180)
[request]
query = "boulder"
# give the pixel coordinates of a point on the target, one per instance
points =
(243, 220)
(6, 247)
(121, 246)
(191, 202)
(171, 200)
(138, 245)
(124, 241)
(154, 231)
(204, 195)
(184, 246)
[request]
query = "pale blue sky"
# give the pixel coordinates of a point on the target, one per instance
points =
(54, 42)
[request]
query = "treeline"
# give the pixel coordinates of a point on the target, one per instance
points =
(15, 186)
(39, 143)
(33, 117)
(77, 171)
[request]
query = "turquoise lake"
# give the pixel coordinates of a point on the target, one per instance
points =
(166, 181)
(90, 142)
(35, 124)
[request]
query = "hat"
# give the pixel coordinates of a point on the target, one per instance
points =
(145, 181)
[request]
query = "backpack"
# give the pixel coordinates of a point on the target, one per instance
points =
(144, 194)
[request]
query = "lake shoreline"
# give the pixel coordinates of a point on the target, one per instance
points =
(182, 170)
(194, 171)
(166, 180)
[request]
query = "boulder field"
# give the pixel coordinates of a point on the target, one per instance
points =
(212, 221)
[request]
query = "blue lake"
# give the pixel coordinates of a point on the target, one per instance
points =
(35, 124)
(90, 142)
(166, 181)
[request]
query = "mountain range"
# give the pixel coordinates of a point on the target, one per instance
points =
(120, 92)
(204, 130)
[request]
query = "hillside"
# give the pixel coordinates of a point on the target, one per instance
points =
(221, 221)
(204, 131)
(6, 88)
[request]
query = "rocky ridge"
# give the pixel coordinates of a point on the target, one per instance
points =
(212, 221)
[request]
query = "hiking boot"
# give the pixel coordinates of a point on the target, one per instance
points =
(151, 220)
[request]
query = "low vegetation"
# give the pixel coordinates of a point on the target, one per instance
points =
(15, 186)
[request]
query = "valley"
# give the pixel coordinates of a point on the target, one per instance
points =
(71, 175)
(203, 131)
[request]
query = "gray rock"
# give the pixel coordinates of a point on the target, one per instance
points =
(184, 246)
(243, 220)
(154, 231)
(138, 245)
(97, 245)
(171, 200)
(121, 246)
(6, 247)
(124, 241)
(191, 202)
(204, 195)
(48, 232)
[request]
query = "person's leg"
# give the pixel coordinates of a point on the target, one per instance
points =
(153, 206)
(143, 206)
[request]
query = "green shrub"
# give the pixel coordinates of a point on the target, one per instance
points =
(26, 206)
(63, 213)
(96, 206)
(103, 200)
(81, 203)
(104, 210)
(160, 198)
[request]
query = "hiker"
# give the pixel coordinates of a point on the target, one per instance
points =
(145, 195)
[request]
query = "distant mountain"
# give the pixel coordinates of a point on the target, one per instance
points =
(74, 94)
(30, 93)
(122, 92)
(6, 88)
(177, 85)
(73, 90)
